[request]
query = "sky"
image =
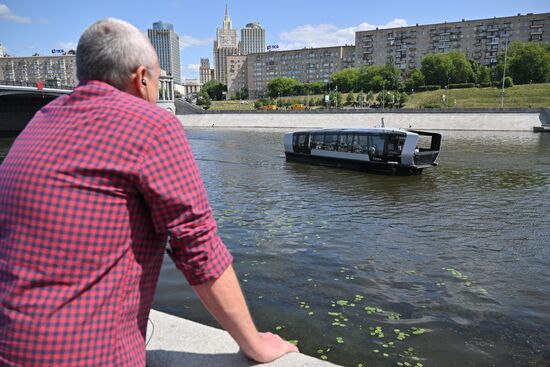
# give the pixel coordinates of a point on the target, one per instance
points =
(38, 26)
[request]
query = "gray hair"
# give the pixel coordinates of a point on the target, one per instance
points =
(110, 50)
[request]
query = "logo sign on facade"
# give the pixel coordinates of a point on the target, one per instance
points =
(272, 47)
(58, 51)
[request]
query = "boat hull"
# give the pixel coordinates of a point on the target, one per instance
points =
(357, 165)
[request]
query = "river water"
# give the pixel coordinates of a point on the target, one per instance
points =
(450, 268)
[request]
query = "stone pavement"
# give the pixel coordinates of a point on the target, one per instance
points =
(174, 341)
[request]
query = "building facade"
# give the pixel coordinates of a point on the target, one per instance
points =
(166, 43)
(205, 71)
(226, 44)
(1, 50)
(252, 39)
(306, 65)
(237, 75)
(52, 71)
(481, 40)
(191, 87)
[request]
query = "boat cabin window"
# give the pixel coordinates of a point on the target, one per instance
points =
(378, 142)
(300, 141)
(317, 141)
(395, 144)
(331, 142)
(361, 144)
(345, 143)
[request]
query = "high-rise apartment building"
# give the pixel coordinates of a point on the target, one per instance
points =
(166, 43)
(1, 50)
(226, 44)
(52, 71)
(252, 39)
(205, 71)
(306, 65)
(481, 40)
(237, 75)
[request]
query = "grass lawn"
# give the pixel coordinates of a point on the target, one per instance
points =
(231, 105)
(519, 96)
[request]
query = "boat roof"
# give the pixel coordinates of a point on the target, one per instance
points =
(358, 130)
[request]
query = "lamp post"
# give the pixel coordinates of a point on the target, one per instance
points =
(384, 95)
(504, 72)
(448, 91)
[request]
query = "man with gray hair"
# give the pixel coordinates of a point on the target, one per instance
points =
(89, 194)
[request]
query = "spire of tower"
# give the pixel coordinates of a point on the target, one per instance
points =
(227, 20)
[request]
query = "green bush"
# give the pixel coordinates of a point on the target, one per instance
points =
(462, 85)
(424, 88)
(508, 82)
(431, 105)
(485, 85)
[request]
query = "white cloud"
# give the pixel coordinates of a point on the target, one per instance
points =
(6, 14)
(323, 35)
(190, 41)
(190, 71)
(67, 45)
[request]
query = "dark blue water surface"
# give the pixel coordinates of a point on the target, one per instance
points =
(450, 268)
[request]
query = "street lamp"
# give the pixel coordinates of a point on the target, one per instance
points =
(504, 72)
(384, 95)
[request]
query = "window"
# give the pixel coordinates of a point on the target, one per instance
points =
(345, 143)
(317, 141)
(331, 142)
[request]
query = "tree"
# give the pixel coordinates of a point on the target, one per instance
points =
(214, 89)
(415, 79)
(370, 97)
(386, 99)
(392, 77)
(528, 62)
(403, 99)
(350, 99)
(337, 98)
(461, 71)
(436, 68)
(482, 74)
(281, 86)
(204, 100)
(346, 79)
(361, 98)
(317, 87)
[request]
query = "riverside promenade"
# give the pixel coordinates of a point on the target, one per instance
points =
(174, 341)
(468, 119)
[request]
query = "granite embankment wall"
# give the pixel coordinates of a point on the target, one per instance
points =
(482, 120)
(174, 342)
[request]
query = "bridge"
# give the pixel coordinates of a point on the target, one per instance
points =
(20, 101)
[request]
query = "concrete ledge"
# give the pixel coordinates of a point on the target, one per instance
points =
(174, 341)
(509, 121)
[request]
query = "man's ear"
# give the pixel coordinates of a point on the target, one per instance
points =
(138, 83)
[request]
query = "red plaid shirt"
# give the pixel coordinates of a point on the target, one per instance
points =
(89, 193)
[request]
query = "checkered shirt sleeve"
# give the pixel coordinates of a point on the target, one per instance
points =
(172, 186)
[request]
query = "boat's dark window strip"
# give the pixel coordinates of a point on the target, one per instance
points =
(317, 141)
(345, 142)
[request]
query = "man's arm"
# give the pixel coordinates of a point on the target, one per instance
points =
(225, 301)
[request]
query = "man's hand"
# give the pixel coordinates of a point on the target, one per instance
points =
(225, 301)
(268, 348)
